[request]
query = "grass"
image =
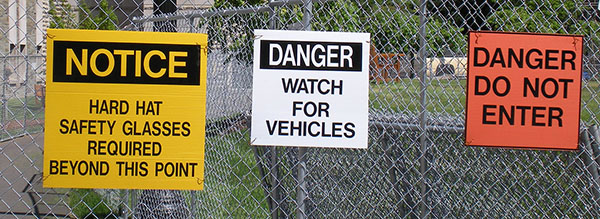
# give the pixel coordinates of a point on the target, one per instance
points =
(590, 113)
(447, 97)
(444, 96)
(86, 203)
(233, 183)
(21, 114)
(19, 108)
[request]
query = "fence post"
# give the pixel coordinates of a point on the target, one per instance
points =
(591, 166)
(272, 16)
(4, 81)
(192, 193)
(133, 202)
(596, 139)
(274, 183)
(393, 169)
(272, 151)
(191, 24)
(302, 191)
(25, 105)
(193, 202)
(423, 105)
(595, 152)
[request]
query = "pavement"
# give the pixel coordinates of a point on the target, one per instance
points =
(21, 191)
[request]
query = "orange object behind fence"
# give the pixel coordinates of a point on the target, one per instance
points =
(386, 67)
(40, 93)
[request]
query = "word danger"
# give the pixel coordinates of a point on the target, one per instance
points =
(311, 55)
(531, 58)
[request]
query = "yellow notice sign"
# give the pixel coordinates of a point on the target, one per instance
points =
(125, 110)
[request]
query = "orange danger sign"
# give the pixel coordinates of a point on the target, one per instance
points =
(523, 90)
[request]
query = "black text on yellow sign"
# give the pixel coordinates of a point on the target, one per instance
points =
(125, 110)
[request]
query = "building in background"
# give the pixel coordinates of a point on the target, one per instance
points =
(17, 19)
(182, 5)
(25, 21)
(127, 10)
(157, 7)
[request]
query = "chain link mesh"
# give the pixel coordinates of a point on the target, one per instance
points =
(416, 164)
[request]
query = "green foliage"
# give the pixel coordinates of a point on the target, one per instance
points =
(85, 18)
(61, 17)
(442, 36)
(237, 3)
(237, 42)
(337, 16)
(86, 203)
(470, 15)
(589, 29)
(65, 18)
(106, 19)
(393, 25)
(547, 16)
(541, 16)
(395, 29)
(289, 15)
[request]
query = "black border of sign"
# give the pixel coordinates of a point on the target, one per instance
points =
(467, 91)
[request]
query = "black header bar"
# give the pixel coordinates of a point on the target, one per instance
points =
(306, 55)
(126, 63)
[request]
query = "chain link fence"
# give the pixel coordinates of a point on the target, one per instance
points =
(416, 164)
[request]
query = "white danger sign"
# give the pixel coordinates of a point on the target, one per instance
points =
(310, 89)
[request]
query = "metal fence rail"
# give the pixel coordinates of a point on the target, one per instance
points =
(416, 164)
